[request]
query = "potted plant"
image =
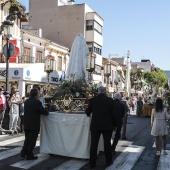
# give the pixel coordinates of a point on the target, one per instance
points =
(16, 9)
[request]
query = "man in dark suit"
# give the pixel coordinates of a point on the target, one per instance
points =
(119, 109)
(103, 121)
(32, 110)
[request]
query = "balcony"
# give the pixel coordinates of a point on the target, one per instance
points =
(26, 59)
(40, 60)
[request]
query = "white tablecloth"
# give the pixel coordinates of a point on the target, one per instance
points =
(66, 135)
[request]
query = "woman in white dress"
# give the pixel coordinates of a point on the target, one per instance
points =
(159, 125)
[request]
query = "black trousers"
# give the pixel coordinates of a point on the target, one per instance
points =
(30, 142)
(95, 136)
(22, 123)
(117, 137)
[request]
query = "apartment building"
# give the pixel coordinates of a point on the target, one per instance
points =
(26, 66)
(61, 21)
(14, 31)
(146, 65)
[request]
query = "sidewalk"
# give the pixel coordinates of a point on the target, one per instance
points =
(132, 112)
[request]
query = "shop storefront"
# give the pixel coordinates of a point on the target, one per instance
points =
(24, 76)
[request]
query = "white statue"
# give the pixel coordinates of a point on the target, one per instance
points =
(77, 61)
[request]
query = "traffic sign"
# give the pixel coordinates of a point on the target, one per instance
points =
(11, 50)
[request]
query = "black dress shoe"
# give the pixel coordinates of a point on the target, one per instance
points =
(23, 156)
(32, 158)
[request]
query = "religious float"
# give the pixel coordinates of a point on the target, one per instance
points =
(66, 131)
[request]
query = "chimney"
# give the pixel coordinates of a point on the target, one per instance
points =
(40, 32)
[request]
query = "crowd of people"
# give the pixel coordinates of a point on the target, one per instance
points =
(110, 116)
(12, 110)
(107, 114)
(28, 111)
(10, 106)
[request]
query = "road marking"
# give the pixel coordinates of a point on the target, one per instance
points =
(164, 163)
(71, 165)
(9, 152)
(10, 141)
(13, 140)
(12, 152)
(127, 159)
(1, 136)
(26, 164)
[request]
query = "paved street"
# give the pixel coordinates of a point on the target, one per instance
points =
(136, 153)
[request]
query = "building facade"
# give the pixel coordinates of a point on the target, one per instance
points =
(61, 21)
(26, 66)
(146, 65)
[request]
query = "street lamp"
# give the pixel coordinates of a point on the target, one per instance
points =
(49, 66)
(107, 73)
(8, 47)
(90, 66)
(116, 83)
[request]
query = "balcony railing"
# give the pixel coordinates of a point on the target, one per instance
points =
(39, 60)
(26, 59)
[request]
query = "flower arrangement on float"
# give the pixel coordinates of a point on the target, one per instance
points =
(72, 95)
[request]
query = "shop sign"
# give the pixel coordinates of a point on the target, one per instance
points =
(16, 73)
(3, 73)
(54, 79)
(28, 75)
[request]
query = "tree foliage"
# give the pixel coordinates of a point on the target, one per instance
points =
(157, 77)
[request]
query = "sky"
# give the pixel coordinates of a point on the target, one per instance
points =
(140, 26)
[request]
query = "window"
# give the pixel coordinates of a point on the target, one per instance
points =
(27, 51)
(98, 69)
(27, 55)
(97, 27)
(93, 25)
(90, 46)
(59, 63)
(93, 47)
(89, 25)
(97, 49)
(39, 58)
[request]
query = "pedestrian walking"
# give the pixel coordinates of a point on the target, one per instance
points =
(139, 109)
(103, 121)
(14, 111)
(2, 108)
(127, 106)
(159, 127)
(133, 103)
(32, 110)
(120, 110)
(21, 114)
